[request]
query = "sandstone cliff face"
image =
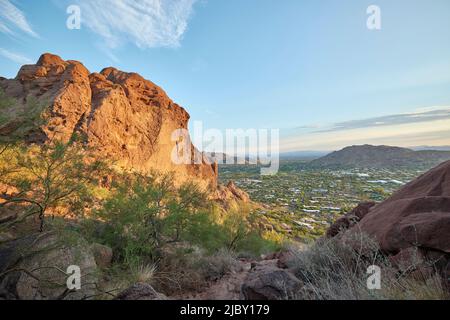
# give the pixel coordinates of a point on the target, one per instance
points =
(120, 115)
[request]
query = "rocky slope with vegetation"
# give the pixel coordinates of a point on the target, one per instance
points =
(56, 210)
(87, 179)
(139, 230)
(412, 225)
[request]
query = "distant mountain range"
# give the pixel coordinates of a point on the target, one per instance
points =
(439, 148)
(223, 158)
(368, 156)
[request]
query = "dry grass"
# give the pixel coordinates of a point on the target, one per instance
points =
(333, 270)
(182, 271)
(143, 273)
(218, 265)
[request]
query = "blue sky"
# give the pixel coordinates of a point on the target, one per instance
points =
(311, 68)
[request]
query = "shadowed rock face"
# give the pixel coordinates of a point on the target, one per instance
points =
(418, 215)
(350, 219)
(120, 115)
(415, 217)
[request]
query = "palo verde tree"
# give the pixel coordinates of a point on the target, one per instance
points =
(43, 176)
(146, 212)
(135, 215)
(47, 177)
(189, 200)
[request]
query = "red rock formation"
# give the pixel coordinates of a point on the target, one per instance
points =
(350, 219)
(120, 115)
(230, 192)
(416, 217)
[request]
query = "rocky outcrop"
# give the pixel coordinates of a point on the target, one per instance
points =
(229, 193)
(417, 216)
(266, 281)
(119, 115)
(350, 219)
(282, 258)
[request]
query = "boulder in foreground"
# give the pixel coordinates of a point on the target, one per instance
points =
(417, 216)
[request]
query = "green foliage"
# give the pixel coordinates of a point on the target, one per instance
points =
(146, 213)
(183, 209)
(47, 177)
(235, 233)
(203, 231)
(134, 222)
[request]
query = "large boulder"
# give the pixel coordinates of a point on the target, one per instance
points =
(266, 281)
(350, 219)
(417, 216)
(34, 268)
(282, 258)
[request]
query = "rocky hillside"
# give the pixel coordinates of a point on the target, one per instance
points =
(121, 115)
(368, 156)
(414, 221)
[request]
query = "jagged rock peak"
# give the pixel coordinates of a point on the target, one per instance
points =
(122, 116)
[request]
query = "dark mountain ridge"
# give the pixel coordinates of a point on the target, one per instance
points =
(369, 156)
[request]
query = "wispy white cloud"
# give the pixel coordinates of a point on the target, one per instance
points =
(12, 18)
(15, 57)
(426, 126)
(5, 29)
(145, 23)
(421, 115)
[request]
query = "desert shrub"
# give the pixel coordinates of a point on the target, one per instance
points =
(244, 236)
(149, 222)
(142, 273)
(233, 233)
(219, 264)
(133, 222)
(185, 208)
(204, 232)
(254, 245)
(188, 269)
(333, 269)
(146, 212)
(47, 177)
